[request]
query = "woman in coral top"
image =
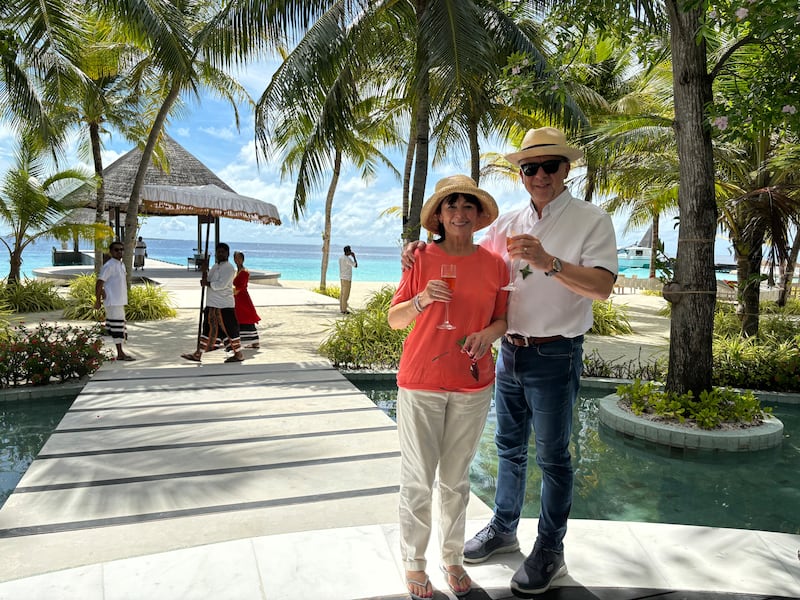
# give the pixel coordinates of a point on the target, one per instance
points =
(446, 375)
(245, 310)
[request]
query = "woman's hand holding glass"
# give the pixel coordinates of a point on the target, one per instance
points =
(449, 279)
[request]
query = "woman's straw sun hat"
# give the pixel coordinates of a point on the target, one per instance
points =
(458, 184)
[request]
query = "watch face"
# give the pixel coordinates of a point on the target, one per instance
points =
(556, 265)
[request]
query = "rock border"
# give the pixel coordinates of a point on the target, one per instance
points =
(761, 437)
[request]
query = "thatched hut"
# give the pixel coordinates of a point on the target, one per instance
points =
(180, 168)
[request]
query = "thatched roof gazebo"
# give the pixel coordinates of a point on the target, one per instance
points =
(182, 169)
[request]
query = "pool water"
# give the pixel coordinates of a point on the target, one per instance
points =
(24, 428)
(629, 480)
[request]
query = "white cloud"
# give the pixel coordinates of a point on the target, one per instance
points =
(225, 133)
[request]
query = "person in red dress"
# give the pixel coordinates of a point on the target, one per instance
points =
(245, 310)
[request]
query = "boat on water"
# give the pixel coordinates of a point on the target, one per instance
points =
(639, 255)
(634, 257)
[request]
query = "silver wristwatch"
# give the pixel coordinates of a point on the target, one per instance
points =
(556, 268)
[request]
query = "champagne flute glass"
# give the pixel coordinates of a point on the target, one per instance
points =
(449, 277)
(512, 272)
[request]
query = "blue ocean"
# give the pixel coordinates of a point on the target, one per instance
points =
(295, 262)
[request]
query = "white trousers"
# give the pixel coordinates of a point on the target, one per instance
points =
(436, 428)
(344, 294)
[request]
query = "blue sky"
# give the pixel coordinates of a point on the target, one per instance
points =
(208, 131)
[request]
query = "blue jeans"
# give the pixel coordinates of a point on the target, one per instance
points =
(536, 388)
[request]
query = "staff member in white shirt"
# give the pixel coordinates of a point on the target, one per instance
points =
(347, 262)
(112, 289)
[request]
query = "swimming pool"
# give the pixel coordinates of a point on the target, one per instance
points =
(628, 480)
(24, 428)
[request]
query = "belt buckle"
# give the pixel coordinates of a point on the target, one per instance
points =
(519, 340)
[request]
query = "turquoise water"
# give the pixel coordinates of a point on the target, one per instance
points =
(295, 262)
(628, 480)
(645, 273)
(24, 428)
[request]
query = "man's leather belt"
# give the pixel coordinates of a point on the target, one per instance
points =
(521, 340)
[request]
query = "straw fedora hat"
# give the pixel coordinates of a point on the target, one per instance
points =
(457, 184)
(545, 141)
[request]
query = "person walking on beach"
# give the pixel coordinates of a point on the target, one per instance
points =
(567, 249)
(246, 313)
(111, 289)
(347, 262)
(219, 315)
(139, 254)
(446, 374)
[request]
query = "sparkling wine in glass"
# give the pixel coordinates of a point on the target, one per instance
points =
(448, 275)
(512, 272)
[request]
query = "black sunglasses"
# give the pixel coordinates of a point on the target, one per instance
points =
(549, 166)
(473, 369)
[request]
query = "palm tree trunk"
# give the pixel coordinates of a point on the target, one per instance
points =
(409, 165)
(15, 268)
(422, 129)
(654, 244)
(97, 158)
(591, 183)
(474, 149)
(326, 235)
(132, 216)
(749, 281)
(692, 323)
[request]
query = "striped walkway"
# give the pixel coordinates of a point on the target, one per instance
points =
(159, 459)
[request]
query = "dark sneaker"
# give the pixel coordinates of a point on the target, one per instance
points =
(489, 541)
(535, 575)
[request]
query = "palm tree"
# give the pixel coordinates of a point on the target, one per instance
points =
(424, 55)
(192, 45)
(315, 137)
(314, 142)
(37, 43)
(783, 164)
(107, 97)
(30, 206)
(759, 200)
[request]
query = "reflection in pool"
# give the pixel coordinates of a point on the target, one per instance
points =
(629, 480)
(24, 428)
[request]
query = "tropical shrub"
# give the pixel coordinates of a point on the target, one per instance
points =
(714, 408)
(595, 365)
(792, 307)
(145, 302)
(750, 363)
(333, 291)
(31, 295)
(149, 303)
(609, 319)
(5, 325)
(363, 339)
(50, 354)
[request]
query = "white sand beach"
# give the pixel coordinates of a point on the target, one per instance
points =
(295, 321)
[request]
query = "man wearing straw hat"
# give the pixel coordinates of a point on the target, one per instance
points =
(567, 252)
